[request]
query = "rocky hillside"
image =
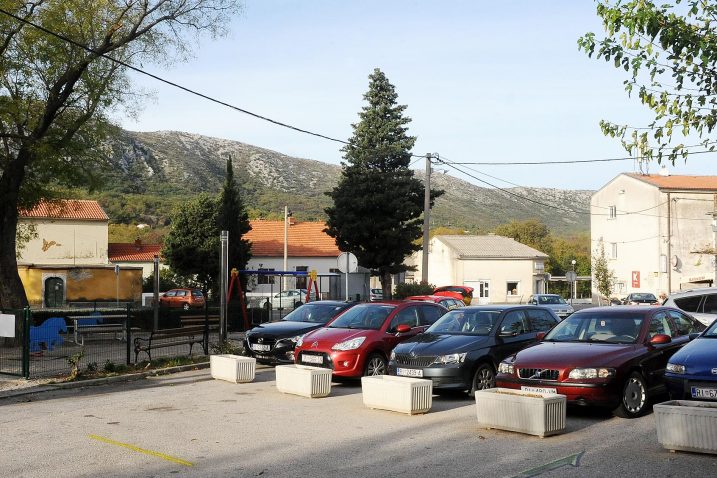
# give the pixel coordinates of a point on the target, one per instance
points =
(153, 172)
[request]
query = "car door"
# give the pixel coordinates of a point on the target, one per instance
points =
(167, 298)
(429, 314)
(657, 355)
(540, 320)
(513, 333)
(408, 316)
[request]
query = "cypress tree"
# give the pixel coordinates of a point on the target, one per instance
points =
(233, 217)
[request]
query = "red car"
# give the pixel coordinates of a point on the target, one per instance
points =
(184, 298)
(360, 340)
(460, 292)
(449, 303)
(606, 356)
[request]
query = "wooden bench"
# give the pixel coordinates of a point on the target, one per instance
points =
(86, 325)
(169, 338)
(196, 320)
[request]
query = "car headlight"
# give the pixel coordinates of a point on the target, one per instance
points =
(450, 359)
(676, 368)
(583, 373)
(393, 355)
(349, 344)
(299, 340)
(507, 368)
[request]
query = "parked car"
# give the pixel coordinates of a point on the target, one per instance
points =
(449, 303)
(640, 298)
(274, 342)
(464, 347)
(287, 299)
(605, 356)
(376, 294)
(460, 292)
(360, 340)
(692, 372)
(182, 298)
(553, 302)
(699, 303)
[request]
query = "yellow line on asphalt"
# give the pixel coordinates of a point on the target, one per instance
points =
(142, 450)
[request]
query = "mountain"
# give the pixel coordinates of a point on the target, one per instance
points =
(151, 173)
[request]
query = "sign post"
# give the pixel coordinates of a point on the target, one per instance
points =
(117, 273)
(347, 263)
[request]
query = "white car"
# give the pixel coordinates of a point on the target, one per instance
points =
(288, 299)
(699, 303)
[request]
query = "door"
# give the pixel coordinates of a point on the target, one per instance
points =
(658, 355)
(409, 316)
(481, 290)
(54, 292)
(513, 333)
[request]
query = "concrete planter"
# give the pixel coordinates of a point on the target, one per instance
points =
(687, 425)
(533, 413)
(232, 368)
(397, 394)
(312, 382)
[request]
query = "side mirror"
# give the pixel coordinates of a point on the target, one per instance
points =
(540, 336)
(402, 329)
(660, 339)
(694, 335)
(507, 333)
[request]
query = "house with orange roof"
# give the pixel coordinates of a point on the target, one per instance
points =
(135, 254)
(66, 259)
(657, 230)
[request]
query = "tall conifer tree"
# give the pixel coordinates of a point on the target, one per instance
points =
(378, 202)
(234, 218)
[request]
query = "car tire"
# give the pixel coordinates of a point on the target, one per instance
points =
(185, 306)
(375, 365)
(633, 401)
(483, 378)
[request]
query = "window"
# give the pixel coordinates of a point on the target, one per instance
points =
(301, 280)
(613, 212)
(540, 320)
(613, 250)
(513, 323)
(264, 278)
(181, 293)
(683, 324)
(170, 293)
(512, 287)
(660, 325)
(430, 314)
(483, 289)
(710, 305)
(408, 316)
(539, 267)
(689, 304)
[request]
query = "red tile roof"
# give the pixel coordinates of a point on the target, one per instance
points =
(684, 183)
(133, 252)
(82, 209)
(306, 239)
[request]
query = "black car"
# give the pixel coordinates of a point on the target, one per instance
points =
(274, 342)
(640, 298)
(463, 348)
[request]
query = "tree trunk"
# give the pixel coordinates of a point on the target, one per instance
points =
(385, 278)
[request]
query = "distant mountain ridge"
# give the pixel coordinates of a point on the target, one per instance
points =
(172, 166)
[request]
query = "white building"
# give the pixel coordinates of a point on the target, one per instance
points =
(498, 268)
(656, 231)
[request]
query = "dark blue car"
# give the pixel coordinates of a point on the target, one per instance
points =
(692, 372)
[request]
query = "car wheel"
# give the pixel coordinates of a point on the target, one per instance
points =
(633, 401)
(185, 306)
(375, 365)
(483, 378)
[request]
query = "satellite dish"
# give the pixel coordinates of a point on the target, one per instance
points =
(675, 261)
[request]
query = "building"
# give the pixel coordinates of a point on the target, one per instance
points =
(499, 269)
(135, 254)
(656, 231)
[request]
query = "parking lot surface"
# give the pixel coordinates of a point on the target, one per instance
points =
(190, 425)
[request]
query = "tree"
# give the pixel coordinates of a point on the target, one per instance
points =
(532, 233)
(378, 203)
(602, 275)
(234, 218)
(56, 96)
(192, 247)
(670, 54)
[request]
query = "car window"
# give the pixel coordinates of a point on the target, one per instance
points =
(170, 293)
(621, 328)
(683, 324)
(710, 304)
(466, 321)
(181, 293)
(514, 323)
(689, 304)
(407, 316)
(197, 293)
(363, 316)
(431, 314)
(660, 324)
(540, 320)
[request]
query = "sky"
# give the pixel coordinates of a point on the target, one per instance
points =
(483, 81)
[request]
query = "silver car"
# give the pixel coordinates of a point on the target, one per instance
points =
(699, 303)
(553, 302)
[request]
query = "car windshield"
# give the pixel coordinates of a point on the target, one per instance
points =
(363, 316)
(462, 321)
(315, 313)
(711, 332)
(643, 297)
(550, 299)
(595, 327)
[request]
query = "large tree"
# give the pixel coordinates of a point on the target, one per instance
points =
(669, 51)
(378, 203)
(57, 92)
(234, 218)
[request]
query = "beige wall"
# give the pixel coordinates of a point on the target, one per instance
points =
(642, 239)
(66, 242)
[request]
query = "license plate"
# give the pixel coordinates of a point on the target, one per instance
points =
(708, 393)
(312, 359)
(409, 372)
(260, 347)
(539, 389)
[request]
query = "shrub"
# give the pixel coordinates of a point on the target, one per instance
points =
(416, 288)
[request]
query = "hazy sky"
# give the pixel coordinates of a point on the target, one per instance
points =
(483, 81)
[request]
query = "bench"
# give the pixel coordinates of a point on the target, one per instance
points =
(196, 320)
(86, 325)
(48, 333)
(168, 338)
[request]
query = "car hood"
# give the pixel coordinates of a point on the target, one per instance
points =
(557, 306)
(441, 344)
(699, 356)
(326, 336)
(284, 328)
(560, 355)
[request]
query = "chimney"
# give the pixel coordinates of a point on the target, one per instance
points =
(138, 243)
(292, 221)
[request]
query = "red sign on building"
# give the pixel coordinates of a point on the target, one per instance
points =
(635, 279)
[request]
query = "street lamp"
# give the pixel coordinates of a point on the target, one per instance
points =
(287, 215)
(575, 283)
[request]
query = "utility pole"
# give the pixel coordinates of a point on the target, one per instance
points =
(714, 238)
(426, 218)
(224, 271)
(286, 246)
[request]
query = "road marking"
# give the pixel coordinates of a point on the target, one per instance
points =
(142, 450)
(572, 460)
